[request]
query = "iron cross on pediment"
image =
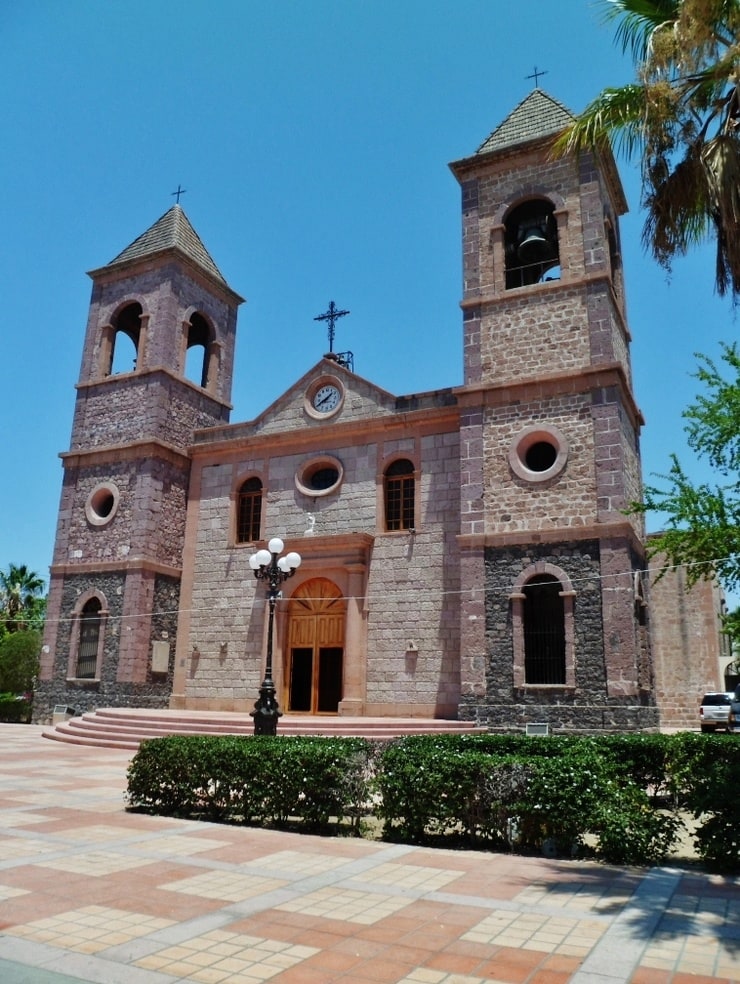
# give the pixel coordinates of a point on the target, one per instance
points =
(331, 316)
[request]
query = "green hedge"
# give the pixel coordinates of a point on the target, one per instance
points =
(621, 798)
(14, 711)
(260, 780)
(705, 770)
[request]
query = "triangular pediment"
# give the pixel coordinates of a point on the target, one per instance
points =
(300, 413)
(301, 406)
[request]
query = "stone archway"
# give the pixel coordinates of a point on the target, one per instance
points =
(314, 668)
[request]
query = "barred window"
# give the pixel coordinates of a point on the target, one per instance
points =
(544, 631)
(400, 493)
(87, 653)
(249, 511)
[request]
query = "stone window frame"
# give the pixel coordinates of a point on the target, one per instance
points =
(109, 332)
(310, 467)
(74, 642)
(414, 476)
(525, 439)
(100, 492)
(203, 335)
(237, 497)
(498, 233)
(517, 598)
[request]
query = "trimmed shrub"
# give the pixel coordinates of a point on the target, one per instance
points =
(560, 795)
(259, 780)
(704, 771)
(14, 711)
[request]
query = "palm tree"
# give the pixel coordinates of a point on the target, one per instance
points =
(682, 118)
(20, 600)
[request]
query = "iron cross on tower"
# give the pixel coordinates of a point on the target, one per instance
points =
(536, 76)
(331, 316)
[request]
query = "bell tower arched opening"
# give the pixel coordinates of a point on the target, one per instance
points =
(198, 346)
(125, 343)
(531, 244)
(315, 652)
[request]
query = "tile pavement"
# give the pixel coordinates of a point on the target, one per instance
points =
(89, 892)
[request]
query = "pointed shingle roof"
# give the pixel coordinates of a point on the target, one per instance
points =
(172, 231)
(538, 115)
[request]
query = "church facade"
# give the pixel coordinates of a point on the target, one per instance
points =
(465, 552)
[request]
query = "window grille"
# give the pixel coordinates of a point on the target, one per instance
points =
(544, 631)
(87, 654)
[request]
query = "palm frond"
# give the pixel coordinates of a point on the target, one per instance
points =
(721, 161)
(638, 21)
(616, 114)
(677, 207)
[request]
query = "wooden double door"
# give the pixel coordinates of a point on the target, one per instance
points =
(315, 655)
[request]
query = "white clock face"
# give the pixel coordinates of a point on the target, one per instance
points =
(326, 398)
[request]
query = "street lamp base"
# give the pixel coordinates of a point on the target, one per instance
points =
(266, 712)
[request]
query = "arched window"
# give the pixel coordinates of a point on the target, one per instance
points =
(249, 511)
(124, 354)
(532, 254)
(87, 652)
(544, 631)
(198, 350)
(400, 494)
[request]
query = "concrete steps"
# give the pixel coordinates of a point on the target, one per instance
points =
(127, 727)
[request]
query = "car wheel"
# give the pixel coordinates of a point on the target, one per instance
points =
(706, 727)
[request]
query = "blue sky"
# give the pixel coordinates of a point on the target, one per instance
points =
(312, 137)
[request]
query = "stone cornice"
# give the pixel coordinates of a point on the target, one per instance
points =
(130, 451)
(362, 431)
(162, 257)
(347, 547)
(143, 377)
(526, 293)
(107, 566)
(620, 529)
(583, 380)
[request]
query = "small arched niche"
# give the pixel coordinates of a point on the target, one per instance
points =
(532, 252)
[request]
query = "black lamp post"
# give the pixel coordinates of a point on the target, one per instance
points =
(269, 566)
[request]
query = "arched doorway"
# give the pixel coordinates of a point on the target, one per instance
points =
(315, 657)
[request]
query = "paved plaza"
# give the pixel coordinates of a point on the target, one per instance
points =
(89, 892)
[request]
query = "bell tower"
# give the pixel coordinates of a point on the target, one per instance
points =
(553, 620)
(157, 363)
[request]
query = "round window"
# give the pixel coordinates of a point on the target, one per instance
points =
(102, 504)
(320, 476)
(538, 453)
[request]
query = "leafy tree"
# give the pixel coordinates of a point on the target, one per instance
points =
(681, 118)
(703, 519)
(19, 661)
(21, 601)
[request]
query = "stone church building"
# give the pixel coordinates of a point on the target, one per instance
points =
(465, 553)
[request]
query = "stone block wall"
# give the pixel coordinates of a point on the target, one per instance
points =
(687, 644)
(590, 706)
(513, 504)
(409, 580)
(139, 407)
(121, 683)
